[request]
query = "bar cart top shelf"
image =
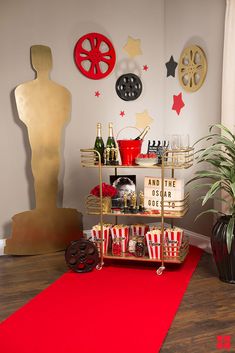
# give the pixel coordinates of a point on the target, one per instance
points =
(172, 159)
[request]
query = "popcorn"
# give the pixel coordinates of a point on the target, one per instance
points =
(139, 229)
(105, 225)
(153, 238)
(173, 240)
(121, 231)
(96, 236)
(155, 226)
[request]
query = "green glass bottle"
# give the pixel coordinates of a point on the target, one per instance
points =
(99, 143)
(111, 151)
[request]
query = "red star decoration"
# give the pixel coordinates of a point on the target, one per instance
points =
(97, 94)
(178, 103)
(145, 67)
(122, 113)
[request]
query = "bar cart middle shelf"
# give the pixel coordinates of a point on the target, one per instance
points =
(171, 160)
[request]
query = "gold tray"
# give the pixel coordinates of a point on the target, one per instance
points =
(93, 204)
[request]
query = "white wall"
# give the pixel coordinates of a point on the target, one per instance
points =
(59, 24)
(164, 28)
(201, 23)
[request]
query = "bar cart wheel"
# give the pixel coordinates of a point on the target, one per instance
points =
(160, 270)
(99, 266)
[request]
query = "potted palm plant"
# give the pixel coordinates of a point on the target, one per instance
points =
(217, 180)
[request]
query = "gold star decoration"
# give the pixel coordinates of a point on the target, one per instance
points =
(132, 47)
(143, 119)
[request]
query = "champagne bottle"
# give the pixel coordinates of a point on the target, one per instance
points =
(99, 143)
(143, 133)
(111, 148)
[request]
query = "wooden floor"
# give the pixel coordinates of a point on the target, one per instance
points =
(206, 311)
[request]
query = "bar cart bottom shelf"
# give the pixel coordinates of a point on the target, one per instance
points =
(173, 255)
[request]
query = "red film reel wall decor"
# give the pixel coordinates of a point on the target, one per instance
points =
(94, 56)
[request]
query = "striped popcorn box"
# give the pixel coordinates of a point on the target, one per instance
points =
(96, 237)
(121, 231)
(153, 238)
(173, 240)
(139, 230)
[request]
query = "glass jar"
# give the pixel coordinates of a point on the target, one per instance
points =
(117, 246)
(140, 247)
(131, 244)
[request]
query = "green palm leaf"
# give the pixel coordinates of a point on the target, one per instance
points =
(223, 128)
(208, 137)
(218, 174)
(232, 185)
(211, 210)
(214, 188)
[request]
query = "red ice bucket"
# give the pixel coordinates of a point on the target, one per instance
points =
(129, 150)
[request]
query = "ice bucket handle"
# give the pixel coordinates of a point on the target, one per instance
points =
(127, 127)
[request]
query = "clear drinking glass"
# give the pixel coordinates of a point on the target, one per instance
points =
(184, 145)
(184, 142)
(175, 146)
(175, 142)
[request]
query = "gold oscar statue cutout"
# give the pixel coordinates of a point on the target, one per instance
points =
(44, 107)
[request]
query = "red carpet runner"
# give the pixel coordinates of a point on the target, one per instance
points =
(116, 310)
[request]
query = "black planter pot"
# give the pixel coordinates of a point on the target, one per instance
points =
(225, 262)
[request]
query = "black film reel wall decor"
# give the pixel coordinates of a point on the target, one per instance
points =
(128, 87)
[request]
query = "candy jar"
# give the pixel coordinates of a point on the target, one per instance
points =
(140, 247)
(132, 244)
(117, 246)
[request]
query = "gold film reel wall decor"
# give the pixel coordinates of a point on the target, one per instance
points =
(192, 68)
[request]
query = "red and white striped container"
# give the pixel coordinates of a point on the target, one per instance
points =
(121, 231)
(139, 230)
(96, 237)
(153, 238)
(173, 240)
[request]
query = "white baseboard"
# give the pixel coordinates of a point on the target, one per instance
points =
(2, 245)
(198, 240)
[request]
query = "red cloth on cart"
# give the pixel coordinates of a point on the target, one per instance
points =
(120, 309)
